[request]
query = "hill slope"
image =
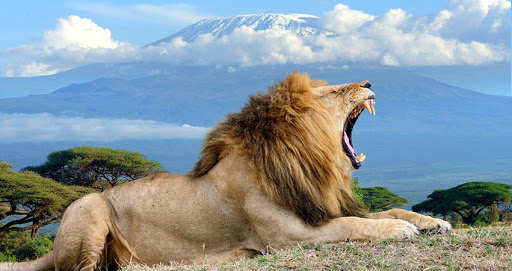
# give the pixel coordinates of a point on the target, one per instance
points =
(203, 95)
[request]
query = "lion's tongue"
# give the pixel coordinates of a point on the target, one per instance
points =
(347, 142)
(360, 158)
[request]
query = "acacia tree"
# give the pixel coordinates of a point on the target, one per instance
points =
(377, 199)
(380, 199)
(92, 167)
(32, 201)
(468, 200)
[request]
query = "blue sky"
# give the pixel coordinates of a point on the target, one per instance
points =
(47, 37)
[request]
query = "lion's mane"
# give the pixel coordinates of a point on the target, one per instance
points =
(293, 144)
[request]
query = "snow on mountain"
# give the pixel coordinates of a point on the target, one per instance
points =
(301, 24)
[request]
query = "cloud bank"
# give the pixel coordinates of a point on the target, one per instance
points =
(465, 32)
(47, 127)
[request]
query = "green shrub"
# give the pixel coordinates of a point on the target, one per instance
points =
(12, 241)
(6, 258)
(17, 246)
(34, 249)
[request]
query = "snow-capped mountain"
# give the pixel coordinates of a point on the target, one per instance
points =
(301, 24)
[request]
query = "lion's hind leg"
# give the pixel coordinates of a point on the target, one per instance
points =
(422, 222)
(82, 238)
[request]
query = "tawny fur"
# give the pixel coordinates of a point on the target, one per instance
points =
(292, 141)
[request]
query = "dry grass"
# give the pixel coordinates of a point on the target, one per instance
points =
(488, 248)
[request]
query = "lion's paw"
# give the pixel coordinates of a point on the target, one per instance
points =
(433, 225)
(396, 228)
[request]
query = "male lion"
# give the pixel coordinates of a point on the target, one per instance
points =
(273, 175)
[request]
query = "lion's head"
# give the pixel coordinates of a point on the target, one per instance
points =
(347, 102)
(297, 139)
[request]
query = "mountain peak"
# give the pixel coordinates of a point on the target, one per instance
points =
(301, 24)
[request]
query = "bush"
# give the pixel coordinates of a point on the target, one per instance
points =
(6, 258)
(17, 246)
(12, 241)
(34, 249)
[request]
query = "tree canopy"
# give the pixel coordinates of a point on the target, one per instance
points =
(468, 200)
(380, 199)
(94, 167)
(377, 199)
(32, 201)
(357, 189)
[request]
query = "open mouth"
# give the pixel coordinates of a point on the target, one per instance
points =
(348, 146)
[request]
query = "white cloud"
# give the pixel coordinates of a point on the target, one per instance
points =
(47, 127)
(473, 20)
(389, 60)
(439, 22)
(342, 19)
(465, 32)
(410, 46)
(163, 14)
(244, 47)
(75, 41)
(75, 33)
(394, 18)
(30, 69)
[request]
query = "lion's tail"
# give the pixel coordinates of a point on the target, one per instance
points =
(44, 263)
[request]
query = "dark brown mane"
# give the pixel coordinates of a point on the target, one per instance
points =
(290, 137)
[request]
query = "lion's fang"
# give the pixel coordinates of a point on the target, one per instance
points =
(360, 158)
(367, 106)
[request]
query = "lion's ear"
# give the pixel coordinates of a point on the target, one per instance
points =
(297, 83)
(290, 98)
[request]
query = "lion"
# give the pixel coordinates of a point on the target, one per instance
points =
(275, 174)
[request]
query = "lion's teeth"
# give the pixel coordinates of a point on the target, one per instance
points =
(367, 105)
(360, 158)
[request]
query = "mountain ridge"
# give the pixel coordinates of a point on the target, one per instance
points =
(202, 97)
(301, 24)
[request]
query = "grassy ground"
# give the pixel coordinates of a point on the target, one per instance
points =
(488, 248)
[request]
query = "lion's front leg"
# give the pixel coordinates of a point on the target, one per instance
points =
(277, 226)
(286, 230)
(422, 222)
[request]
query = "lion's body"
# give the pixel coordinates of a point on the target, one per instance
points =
(272, 175)
(198, 217)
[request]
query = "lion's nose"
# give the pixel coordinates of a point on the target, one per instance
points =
(367, 85)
